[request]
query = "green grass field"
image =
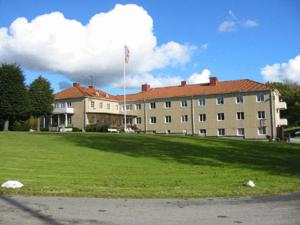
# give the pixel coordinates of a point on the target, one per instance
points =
(120, 165)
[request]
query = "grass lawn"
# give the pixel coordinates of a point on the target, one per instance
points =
(124, 165)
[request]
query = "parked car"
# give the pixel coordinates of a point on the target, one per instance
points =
(297, 133)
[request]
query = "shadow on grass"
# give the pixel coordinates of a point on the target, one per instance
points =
(277, 158)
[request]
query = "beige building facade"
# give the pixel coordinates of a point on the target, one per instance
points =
(242, 108)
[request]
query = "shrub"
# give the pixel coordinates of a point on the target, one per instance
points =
(21, 126)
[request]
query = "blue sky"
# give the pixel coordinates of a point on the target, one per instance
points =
(239, 52)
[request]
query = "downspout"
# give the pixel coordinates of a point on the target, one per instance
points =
(272, 114)
(145, 117)
(84, 114)
(193, 121)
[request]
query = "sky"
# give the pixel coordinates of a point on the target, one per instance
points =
(70, 41)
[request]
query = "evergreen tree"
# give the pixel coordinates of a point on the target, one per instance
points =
(41, 98)
(14, 100)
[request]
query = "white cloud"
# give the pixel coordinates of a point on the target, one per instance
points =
(51, 42)
(199, 78)
(283, 71)
(227, 26)
(234, 23)
(250, 23)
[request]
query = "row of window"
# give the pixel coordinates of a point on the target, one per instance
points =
(202, 117)
(63, 105)
(108, 107)
(222, 131)
(201, 102)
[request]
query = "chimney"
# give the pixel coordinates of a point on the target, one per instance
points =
(91, 86)
(76, 84)
(213, 81)
(183, 83)
(145, 87)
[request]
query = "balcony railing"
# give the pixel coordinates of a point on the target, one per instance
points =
(283, 122)
(281, 105)
(63, 110)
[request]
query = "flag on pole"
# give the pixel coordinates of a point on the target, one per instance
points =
(126, 54)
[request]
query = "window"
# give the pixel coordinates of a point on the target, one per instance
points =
(183, 103)
(261, 115)
(260, 97)
(240, 115)
(221, 116)
(202, 117)
(138, 120)
(220, 101)
(101, 105)
(184, 118)
(128, 107)
(168, 119)
(202, 132)
(240, 132)
(62, 105)
(239, 99)
(117, 107)
(69, 104)
(108, 106)
(262, 130)
(92, 104)
(56, 105)
(152, 119)
(221, 132)
(167, 104)
(168, 131)
(152, 105)
(138, 106)
(201, 102)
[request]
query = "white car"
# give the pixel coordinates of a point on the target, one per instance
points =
(297, 132)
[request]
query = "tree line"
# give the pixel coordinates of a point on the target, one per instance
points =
(290, 93)
(19, 102)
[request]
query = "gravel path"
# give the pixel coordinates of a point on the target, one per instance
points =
(283, 210)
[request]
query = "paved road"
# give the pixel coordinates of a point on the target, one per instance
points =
(283, 210)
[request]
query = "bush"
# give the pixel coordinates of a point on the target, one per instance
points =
(21, 126)
(76, 129)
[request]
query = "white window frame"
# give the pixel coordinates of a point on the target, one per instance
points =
(237, 131)
(260, 97)
(202, 117)
(241, 117)
(154, 118)
(184, 103)
(150, 105)
(218, 132)
(221, 100)
(101, 105)
(202, 134)
(138, 106)
(93, 104)
(184, 118)
(168, 119)
(169, 105)
(202, 102)
(220, 119)
(261, 113)
(108, 106)
(239, 99)
(139, 120)
(264, 128)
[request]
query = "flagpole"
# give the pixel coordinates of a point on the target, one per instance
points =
(124, 77)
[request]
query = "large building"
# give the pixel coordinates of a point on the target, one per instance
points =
(242, 108)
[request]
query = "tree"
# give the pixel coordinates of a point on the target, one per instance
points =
(14, 100)
(41, 98)
(290, 93)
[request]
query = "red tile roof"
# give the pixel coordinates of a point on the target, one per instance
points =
(236, 86)
(198, 89)
(77, 91)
